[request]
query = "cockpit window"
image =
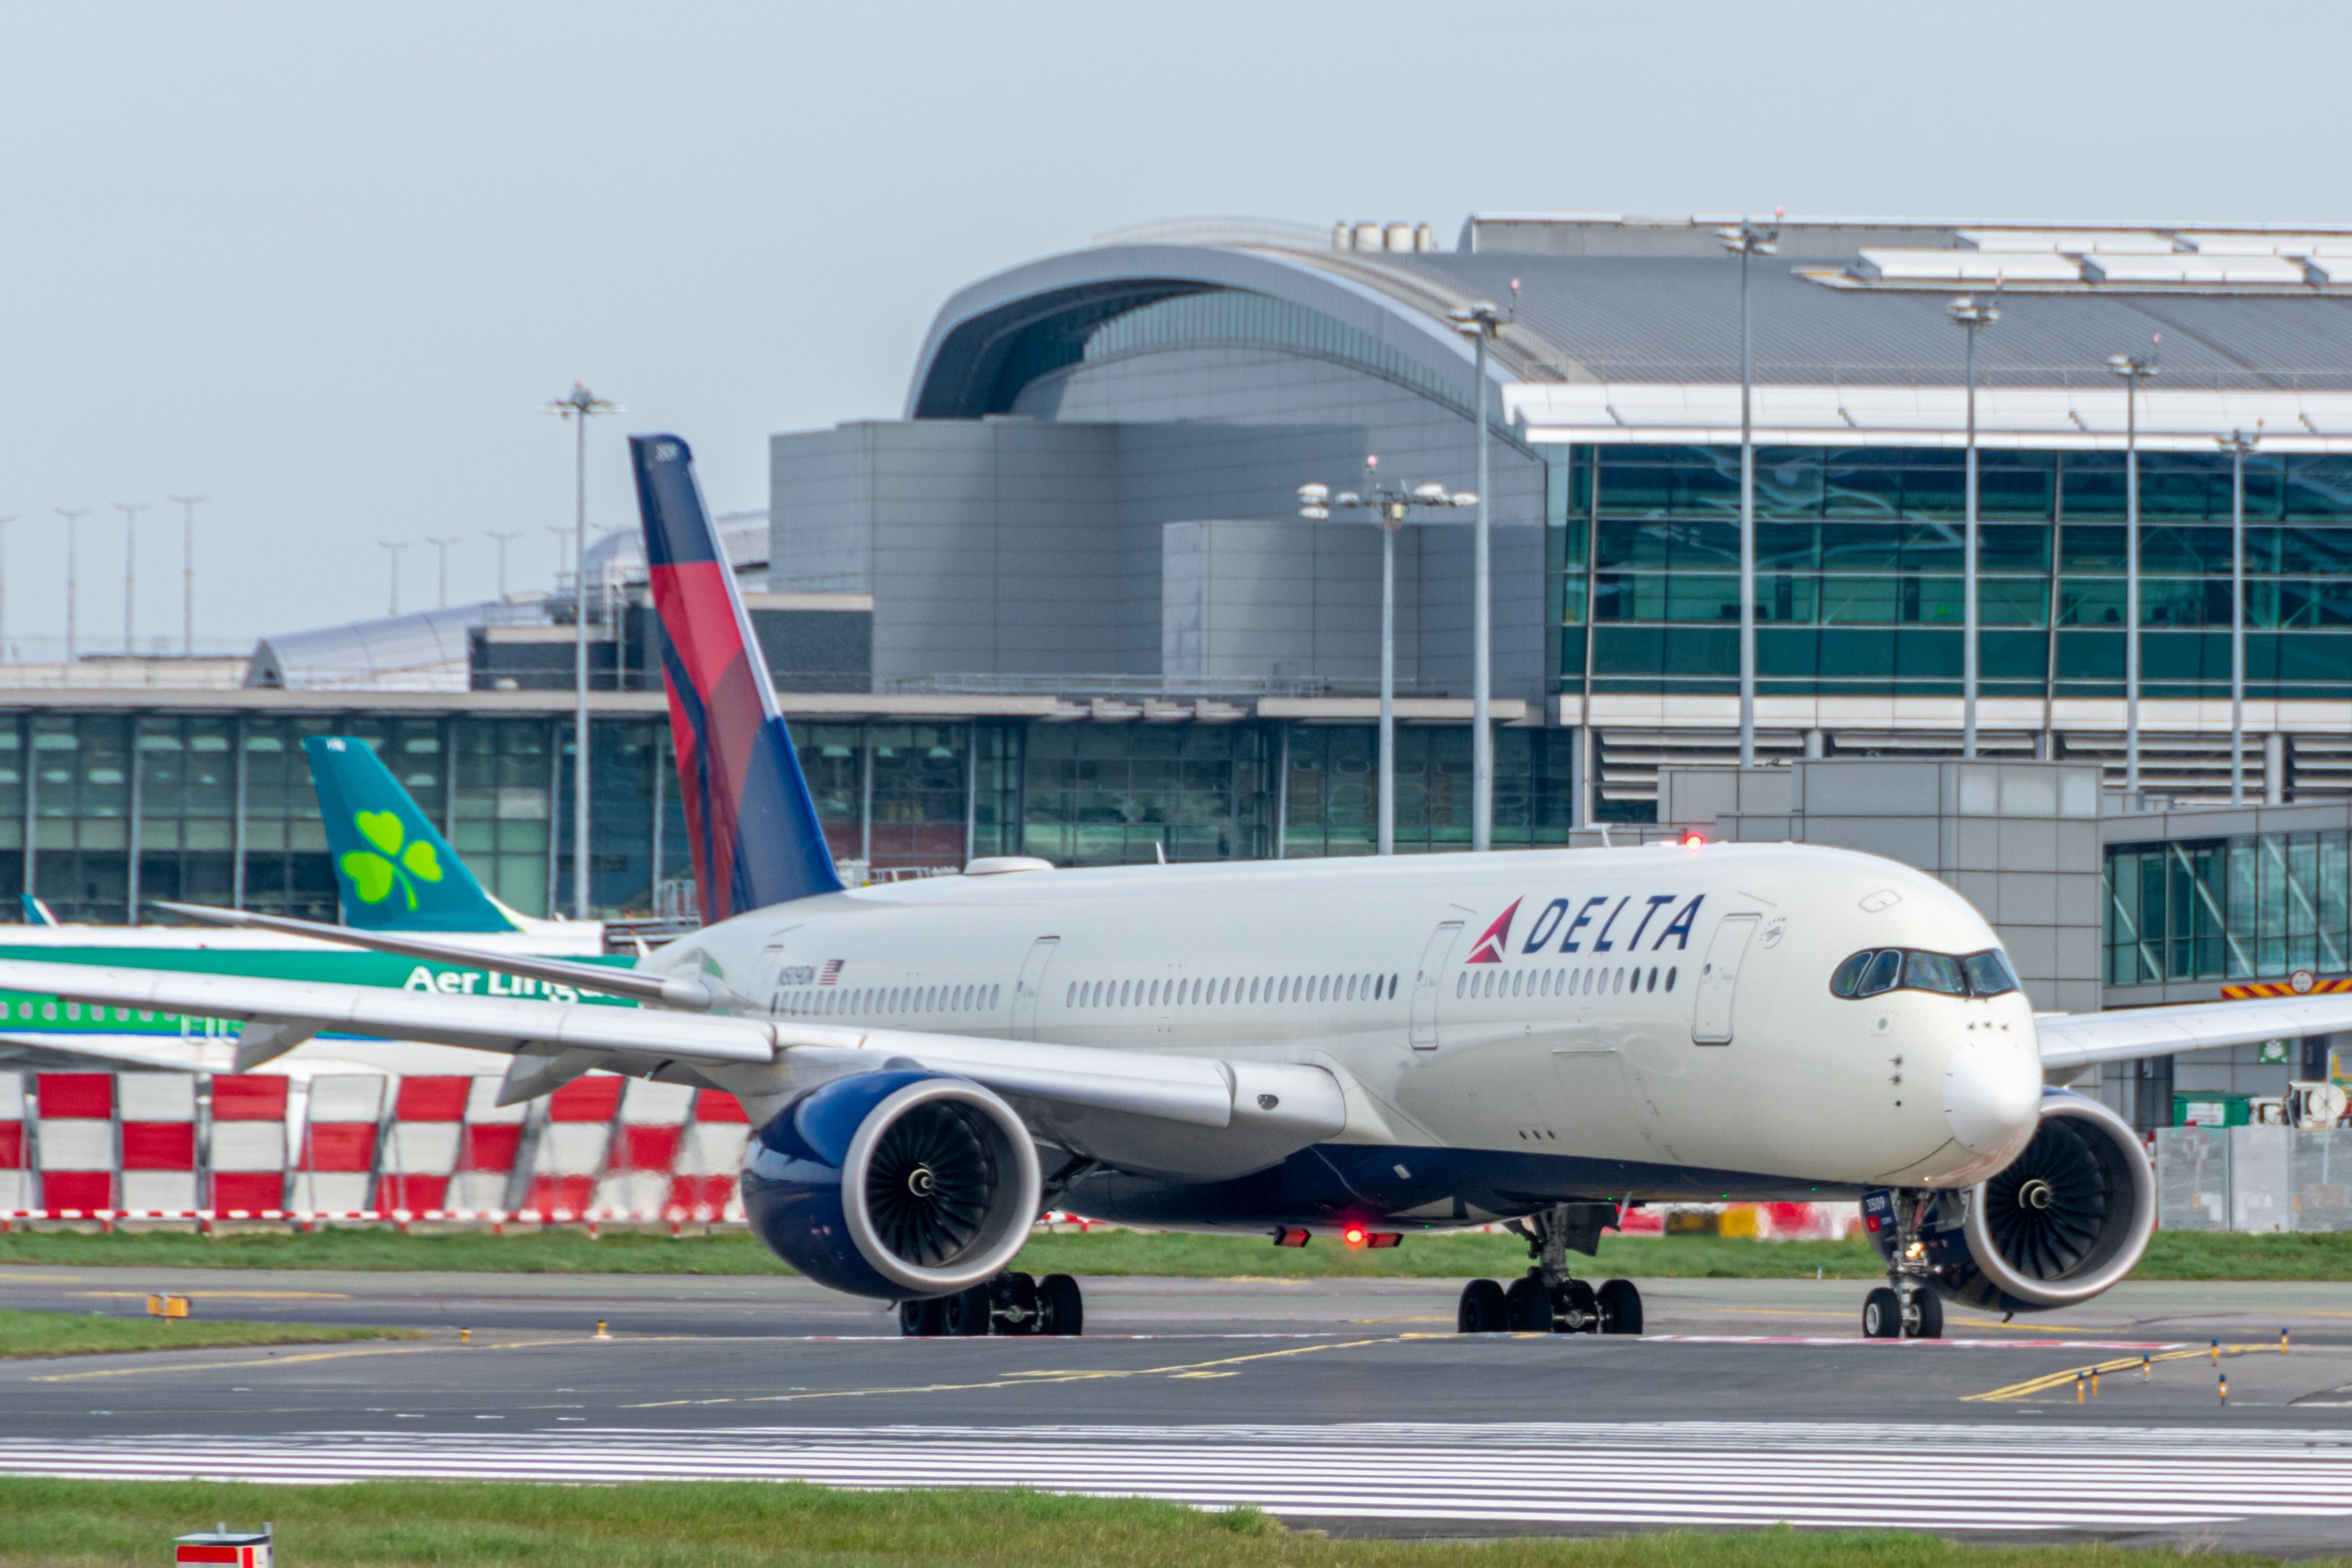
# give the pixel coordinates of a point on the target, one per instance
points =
(1989, 973)
(1871, 973)
(1933, 971)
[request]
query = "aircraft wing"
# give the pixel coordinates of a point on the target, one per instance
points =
(2071, 1040)
(1149, 1110)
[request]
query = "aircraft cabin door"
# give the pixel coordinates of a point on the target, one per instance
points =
(1718, 980)
(1031, 987)
(1437, 959)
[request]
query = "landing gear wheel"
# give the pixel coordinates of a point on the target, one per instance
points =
(1527, 1307)
(921, 1320)
(1015, 1296)
(1579, 1309)
(1620, 1307)
(1925, 1319)
(1061, 1310)
(1881, 1314)
(1483, 1309)
(968, 1313)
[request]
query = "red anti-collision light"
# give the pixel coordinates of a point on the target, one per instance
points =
(1692, 841)
(1354, 1235)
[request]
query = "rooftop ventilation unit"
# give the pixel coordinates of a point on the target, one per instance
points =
(1404, 237)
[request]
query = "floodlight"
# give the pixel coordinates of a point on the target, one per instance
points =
(1346, 498)
(1462, 498)
(1315, 514)
(1314, 495)
(1434, 494)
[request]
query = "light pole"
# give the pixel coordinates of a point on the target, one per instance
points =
(129, 510)
(394, 546)
(2133, 369)
(2240, 446)
(187, 573)
(73, 516)
(1746, 239)
(580, 405)
(1479, 322)
(1389, 504)
(441, 562)
(1973, 318)
(504, 539)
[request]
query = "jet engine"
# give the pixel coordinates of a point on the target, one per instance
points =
(900, 1184)
(2066, 1220)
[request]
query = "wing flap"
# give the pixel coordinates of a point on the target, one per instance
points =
(2084, 1039)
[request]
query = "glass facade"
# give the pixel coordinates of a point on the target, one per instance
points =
(219, 808)
(2255, 906)
(1858, 572)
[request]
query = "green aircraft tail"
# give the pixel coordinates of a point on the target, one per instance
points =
(396, 870)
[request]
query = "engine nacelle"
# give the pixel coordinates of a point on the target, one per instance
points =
(2066, 1220)
(898, 1184)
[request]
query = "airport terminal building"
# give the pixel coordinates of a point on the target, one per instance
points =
(1066, 606)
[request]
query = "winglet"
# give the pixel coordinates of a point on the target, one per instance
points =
(394, 869)
(749, 820)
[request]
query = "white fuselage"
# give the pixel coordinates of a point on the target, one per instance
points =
(1666, 1009)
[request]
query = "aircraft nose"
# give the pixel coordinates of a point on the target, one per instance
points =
(1992, 1093)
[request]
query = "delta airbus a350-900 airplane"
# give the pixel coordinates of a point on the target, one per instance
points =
(1340, 1048)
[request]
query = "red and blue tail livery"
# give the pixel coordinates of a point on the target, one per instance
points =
(749, 815)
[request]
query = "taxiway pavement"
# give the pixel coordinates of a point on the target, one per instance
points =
(1746, 1400)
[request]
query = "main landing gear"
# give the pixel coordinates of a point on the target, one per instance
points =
(1906, 1306)
(1008, 1304)
(1546, 1301)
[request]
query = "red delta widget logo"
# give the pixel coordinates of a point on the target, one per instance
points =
(1577, 930)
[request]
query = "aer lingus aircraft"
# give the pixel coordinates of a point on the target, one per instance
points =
(394, 872)
(1360, 1048)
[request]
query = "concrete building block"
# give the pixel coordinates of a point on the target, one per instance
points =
(1981, 888)
(2079, 851)
(2027, 897)
(1976, 844)
(2028, 844)
(2079, 902)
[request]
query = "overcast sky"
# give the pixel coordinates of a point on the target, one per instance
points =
(323, 263)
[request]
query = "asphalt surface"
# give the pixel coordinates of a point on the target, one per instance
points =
(723, 1365)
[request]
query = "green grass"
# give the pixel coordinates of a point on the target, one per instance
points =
(73, 1334)
(448, 1524)
(2173, 1255)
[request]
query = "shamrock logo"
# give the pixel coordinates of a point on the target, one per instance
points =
(372, 874)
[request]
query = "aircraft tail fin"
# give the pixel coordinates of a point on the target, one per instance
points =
(37, 912)
(393, 868)
(749, 818)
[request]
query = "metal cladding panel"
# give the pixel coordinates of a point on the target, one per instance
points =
(165, 1192)
(248, 1145)
(156, 1096)
(650, 1103)
(249, 1097)
(75, 1145)
(428, 1148)
(347, 1097)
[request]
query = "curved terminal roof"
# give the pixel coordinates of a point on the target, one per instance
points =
(425, 652)
(1668, 314)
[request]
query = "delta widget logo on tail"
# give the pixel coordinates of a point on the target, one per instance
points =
(1555, 921)
(375, 875)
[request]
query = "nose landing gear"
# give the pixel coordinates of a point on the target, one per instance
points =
(1906, 1306)
(1546, 1299)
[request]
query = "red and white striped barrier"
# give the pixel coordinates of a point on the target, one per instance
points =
(74, 1146)
(644, 1150)
(334, 1164)
(15, 1180)
(157, 1112)
(487, 1147)
(246, 1150)
(421, 1145)
(571, 1147)
(702, 1185)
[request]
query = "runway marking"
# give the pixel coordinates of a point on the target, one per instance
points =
(224, 1295)
(1030, 1379)
(2053, 1380)
(227, 1365)
(1848, 1475)
(1426, 1318)
(450, 1346)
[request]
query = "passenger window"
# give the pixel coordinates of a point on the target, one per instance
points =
(1670, 979)
(1461, 982)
